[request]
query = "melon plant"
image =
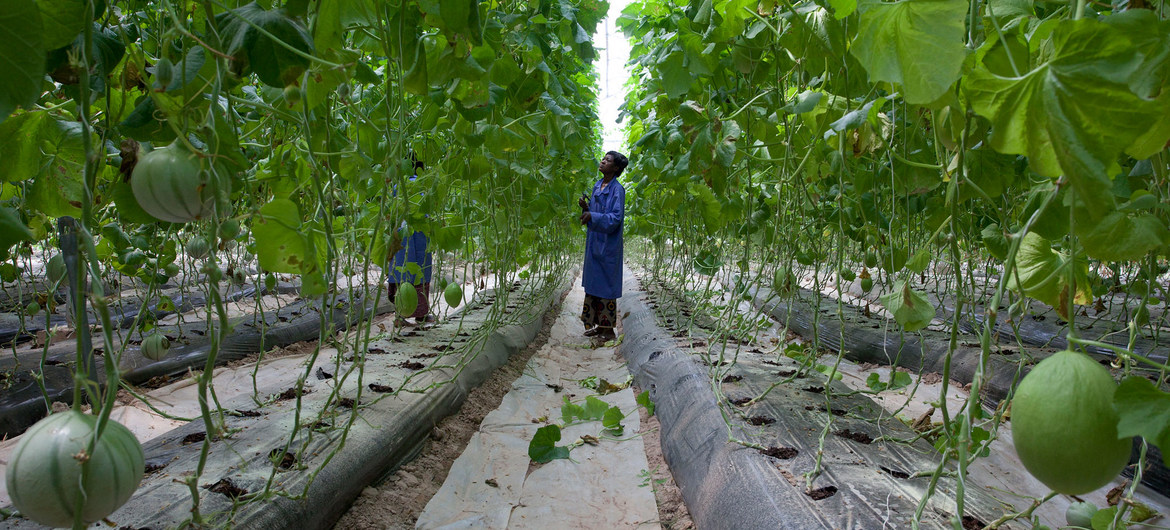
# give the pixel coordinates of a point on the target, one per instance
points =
(171, 185)
(1064, 426)
(44, 474)
(155, 346)
(406, 300)
(453, 294)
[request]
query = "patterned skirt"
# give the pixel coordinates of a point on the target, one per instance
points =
(600, 312)
(424, 294)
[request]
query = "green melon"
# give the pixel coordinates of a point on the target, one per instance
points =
(44, 477)
(198, 248)
(171, 185)
(406, 301)
(453, 294)
(155, 346)
(1064, 426)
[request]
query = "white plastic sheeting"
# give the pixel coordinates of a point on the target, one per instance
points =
(493, 485)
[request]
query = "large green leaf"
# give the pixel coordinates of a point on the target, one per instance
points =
(915, 43)
(280, 247)
(1073, 115)
(543, 447)
(1151, 37)
(1143, 410)
(675, 78)
(20, 145)
(50, 150)
(252, 50)
(1043, 274)
(22, 55)
(911, 309)
(61, 20)
(1120, 237)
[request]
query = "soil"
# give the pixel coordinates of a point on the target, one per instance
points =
(672, 511)
(398, 502)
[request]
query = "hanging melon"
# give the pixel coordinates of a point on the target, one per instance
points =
(453, 294)
(171, 185)
(44, 473)
(406, 301)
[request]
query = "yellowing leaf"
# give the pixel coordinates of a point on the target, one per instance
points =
(911, 308)
(1043, 274)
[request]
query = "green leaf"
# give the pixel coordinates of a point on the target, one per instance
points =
(1120, 237)
(328, 31)
(594, 408)
(1073, 115)
(1151, 37)
(1103, 519)
(1143, 410)
(22, 54)
(20, 139)
(843, 8)
(911, 309)
(643, 399)
(61, 20)
(274, 63)
(280, 247)
(675, 78)
(1043, 274)
(920, 260)
(709, 207)
(12, 231)
(543, 447)
(612, 420)
(570, 410)
(915, 43)
(59, 186)
(994, 241)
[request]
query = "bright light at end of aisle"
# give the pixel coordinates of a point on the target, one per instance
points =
(612, 76)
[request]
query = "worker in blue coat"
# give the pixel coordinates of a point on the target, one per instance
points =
(602, 277)
(414, 250)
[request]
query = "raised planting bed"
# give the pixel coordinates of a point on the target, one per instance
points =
(863, 480)
(301, 459)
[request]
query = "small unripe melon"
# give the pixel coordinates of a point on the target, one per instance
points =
(453, 294)
(406, 301)
(1064, 426)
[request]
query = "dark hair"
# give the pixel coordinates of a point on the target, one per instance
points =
(620, 160)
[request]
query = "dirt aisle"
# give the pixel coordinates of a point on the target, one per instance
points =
(494, 483)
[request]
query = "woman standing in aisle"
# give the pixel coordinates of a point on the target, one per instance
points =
(602, 276)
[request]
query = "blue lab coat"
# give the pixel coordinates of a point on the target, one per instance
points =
(414, 250)
(602, 276)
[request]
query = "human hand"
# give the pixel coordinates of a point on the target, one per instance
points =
(583, 202)
(586, 217)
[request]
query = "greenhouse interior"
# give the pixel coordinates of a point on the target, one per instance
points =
(560, 264)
